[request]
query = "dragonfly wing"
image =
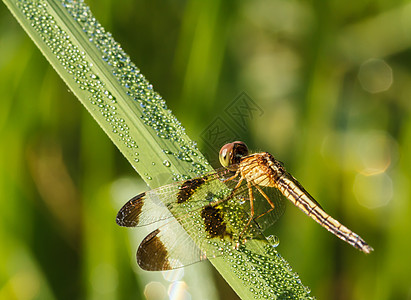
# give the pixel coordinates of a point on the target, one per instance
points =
(262, 206)
(143, 209)
(173, 199)
(213, 213)
(168, 247)
(208, 231)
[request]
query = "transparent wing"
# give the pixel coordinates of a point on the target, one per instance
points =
(173, 199)
(208, 231)
(168, 247)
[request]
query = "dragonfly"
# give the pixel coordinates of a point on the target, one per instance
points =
(225, 207)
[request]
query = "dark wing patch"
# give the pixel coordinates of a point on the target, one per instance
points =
(188, 188)
(129, 214)
(169, 247)
(214, 221)
(152, 254)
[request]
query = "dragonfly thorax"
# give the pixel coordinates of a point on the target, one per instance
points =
(261, 169)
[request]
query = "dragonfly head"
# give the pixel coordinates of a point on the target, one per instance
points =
(231, 154)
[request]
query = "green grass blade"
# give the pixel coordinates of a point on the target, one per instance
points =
(138, 122)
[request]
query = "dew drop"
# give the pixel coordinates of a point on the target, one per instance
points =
(273, 240)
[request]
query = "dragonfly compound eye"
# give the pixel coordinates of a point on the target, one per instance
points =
(232, 153)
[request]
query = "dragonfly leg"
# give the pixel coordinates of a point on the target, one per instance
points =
(231, 194)
(232, 177)
(266, 198)
(250, 193)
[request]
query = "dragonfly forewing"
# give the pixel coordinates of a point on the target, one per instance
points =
(169, 200)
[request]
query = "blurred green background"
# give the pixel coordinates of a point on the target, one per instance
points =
(332, 84)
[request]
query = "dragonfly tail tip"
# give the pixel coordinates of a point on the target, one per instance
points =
(367, 249)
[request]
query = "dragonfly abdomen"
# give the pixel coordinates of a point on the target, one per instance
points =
(290, 188)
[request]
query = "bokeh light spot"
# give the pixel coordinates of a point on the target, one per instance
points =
(178, 291)
(375, 76)
(373, 191)
(155, 291)
(375, 151)
(173, 275)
